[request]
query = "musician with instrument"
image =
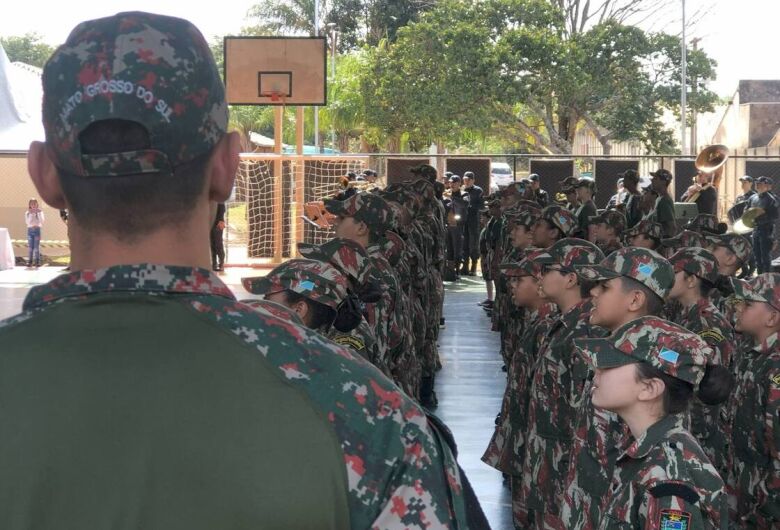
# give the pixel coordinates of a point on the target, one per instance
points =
(764, 221)
(703, 193)
(741, 202)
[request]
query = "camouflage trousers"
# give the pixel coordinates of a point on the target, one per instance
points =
(544, 473)
(430, 361)
(407, 372)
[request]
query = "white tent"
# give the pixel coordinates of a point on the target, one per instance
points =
(20, 104)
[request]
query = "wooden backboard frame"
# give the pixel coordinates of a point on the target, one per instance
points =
(243, 87)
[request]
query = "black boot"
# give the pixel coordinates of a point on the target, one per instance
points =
(427, 394)
(473, 270)
(464, 269)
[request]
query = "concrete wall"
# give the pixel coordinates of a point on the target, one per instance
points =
(764, 123)
(16, 189)
(759, 91)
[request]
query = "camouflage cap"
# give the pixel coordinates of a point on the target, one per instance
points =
(366, 207)
(649, 228)
(525, 215)
(570, 252)
(346, 255)
(560, 217)
(736, 243)
(612, 218)
(310, 278)
(696, 261)
(276, 309)
(686, 238)
(640, 264)
(150, 69)
(763, 288)
(670, 348)
(426, 171)
(514, 188)
(528, 266)
(705, 223)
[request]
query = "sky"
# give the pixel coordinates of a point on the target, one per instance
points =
(741, 35)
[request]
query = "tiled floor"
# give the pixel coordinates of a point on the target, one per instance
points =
(469, 386)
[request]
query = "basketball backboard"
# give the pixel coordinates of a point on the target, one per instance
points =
(276, 70)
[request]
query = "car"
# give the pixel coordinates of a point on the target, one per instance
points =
(501, 175)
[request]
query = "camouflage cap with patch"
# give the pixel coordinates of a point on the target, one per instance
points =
(276, 309)
(705, 223)
(346, 255)
(150, 69)
(611, 218)
(696, 261)
(736, 243)
(640, 264)
(649, 228)
(525, 215)
(528, 266)
(369, 208)
(560, 217)
(570, 252)
(670, 348)
(310, 278)
(763, 288)
(686, 238)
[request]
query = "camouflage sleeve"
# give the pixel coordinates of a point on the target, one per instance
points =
(672, 505)
(768, 494)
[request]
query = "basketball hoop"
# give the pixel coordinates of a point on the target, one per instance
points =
(275, 97)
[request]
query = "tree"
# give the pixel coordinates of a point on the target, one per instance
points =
(534, 68)
(29, 49)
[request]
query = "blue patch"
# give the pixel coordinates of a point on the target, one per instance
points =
(307, 285)
(562, 219)
(646, 269)
(669, 356)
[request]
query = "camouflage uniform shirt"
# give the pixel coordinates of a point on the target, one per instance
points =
(755, 441)
(664, 481)
(151, 398)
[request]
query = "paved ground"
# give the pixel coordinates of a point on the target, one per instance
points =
(469, 386)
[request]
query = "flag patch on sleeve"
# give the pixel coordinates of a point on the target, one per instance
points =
(674, 520)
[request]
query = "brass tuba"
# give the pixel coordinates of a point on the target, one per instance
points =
(709, 160)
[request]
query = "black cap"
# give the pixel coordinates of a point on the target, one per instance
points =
(585, 182)
(468, 175)
(746, 178)
(455, 178)
(448, 174)
(663, 174)
(765, 180)
(533, 177)
(630, 174)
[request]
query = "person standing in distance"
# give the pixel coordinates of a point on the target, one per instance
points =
(215, 238)
(189, 407)
(471, 227)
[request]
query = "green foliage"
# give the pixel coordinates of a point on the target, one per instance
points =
(28, 48)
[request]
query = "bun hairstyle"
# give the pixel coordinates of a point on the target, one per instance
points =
(714, 388)
(350, 310)
(721, 229)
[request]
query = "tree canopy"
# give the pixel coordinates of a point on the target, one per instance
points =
(28, 48)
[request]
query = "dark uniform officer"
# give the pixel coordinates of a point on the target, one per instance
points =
(765, 224)
(741, 202)
(663, 212)
(216, 241)
(633, 196)
(540, 195)
(586, 188)
(456, 207)
(471, 227)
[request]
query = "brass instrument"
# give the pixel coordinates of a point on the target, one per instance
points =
(709, 160)
(747, 222)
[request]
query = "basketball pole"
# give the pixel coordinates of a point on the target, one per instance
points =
(297, 228)
(316, 109)
(278, 183)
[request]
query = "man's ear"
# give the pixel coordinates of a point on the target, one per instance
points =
(223, 166)
(44, 176)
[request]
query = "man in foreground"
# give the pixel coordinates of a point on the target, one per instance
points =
(137, 392)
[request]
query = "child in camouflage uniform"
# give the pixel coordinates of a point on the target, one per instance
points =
(695, 275)
(609, 225)
(755, 406)
(644, 234)
(556, 387)
(632, 283)
(646, 372)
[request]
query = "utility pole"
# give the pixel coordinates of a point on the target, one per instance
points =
(694, 117)
(683, 83)
(317, 109)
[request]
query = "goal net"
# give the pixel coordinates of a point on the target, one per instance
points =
(263, 215)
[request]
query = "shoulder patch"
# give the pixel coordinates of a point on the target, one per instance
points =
(675, 489)
(712, 335)
(674, 520)
(776, 379)
(350, 341)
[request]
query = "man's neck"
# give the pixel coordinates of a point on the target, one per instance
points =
(166, 247)
(629, 316)
(689, 298)
(765, 334)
